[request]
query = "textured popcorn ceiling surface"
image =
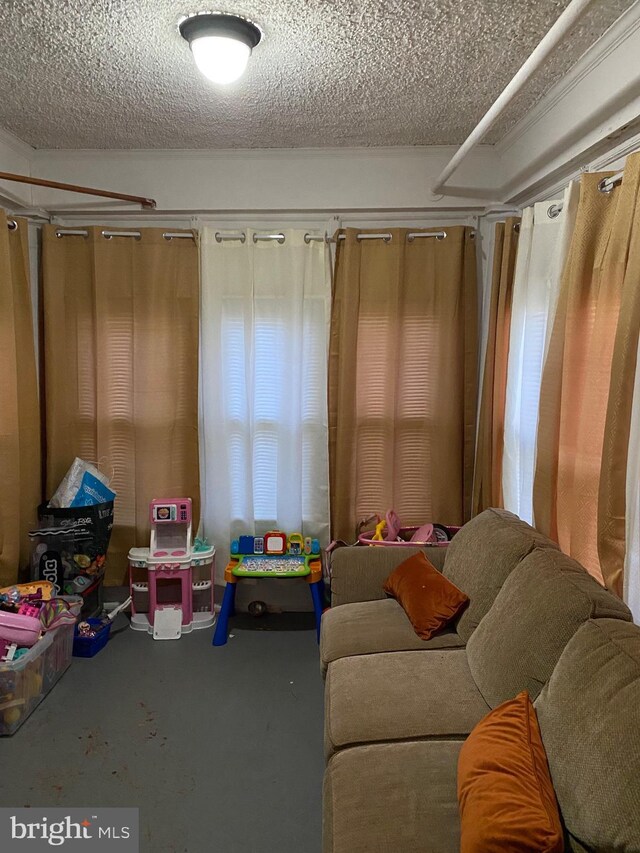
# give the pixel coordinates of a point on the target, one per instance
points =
(117, 74)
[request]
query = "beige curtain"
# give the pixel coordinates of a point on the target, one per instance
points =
(487, 483)
(20, 469)
(402, 378)
(121, 368)
(579, 492)
(624, 264)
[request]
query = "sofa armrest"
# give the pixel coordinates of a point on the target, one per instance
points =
(358, 572)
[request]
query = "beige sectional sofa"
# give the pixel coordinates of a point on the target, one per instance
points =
(398, 708)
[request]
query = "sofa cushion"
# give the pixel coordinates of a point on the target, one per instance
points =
(589, 715)
(482, 555)
(543, 602)
(506, 796)
(392, 797)
(429, 599)
(400, 696)
(358, 573)
(374, 626)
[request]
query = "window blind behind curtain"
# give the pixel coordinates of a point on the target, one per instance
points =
(19, 409)
(121, 322)
(265, 314)
(402, 379)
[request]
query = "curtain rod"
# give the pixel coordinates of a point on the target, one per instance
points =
(606, 185)
(563, 25)
(81, 232)
(74, 188)
(240, 236)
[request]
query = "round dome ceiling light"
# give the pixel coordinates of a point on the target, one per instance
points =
(221, 43)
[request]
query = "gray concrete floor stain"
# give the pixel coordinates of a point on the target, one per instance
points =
(219, 748)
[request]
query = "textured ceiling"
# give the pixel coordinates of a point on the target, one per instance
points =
(116, 73)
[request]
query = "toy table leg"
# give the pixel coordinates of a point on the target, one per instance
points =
(317, 594)
(227, 609)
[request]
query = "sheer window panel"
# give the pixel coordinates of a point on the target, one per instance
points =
(264, 365)
(542, 251)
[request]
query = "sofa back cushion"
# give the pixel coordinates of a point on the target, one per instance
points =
(589, 716)
(482, 555)
(543, 602)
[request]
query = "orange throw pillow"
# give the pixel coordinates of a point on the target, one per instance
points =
(429, 599)
(506, 796)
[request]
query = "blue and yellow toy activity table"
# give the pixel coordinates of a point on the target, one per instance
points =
(290, 561)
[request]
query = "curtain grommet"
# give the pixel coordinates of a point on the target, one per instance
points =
(12, 225)
(606, 186)
(553, 211)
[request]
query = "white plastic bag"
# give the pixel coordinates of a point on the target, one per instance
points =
(72, 481)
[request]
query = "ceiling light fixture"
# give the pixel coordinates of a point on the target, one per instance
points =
(221, 43)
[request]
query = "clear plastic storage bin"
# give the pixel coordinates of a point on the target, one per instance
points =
(25, 682)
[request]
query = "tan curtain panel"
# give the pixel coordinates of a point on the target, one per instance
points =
(579, 490)
(121, 366)
(487, 483)
(402, 378)
(623, 264)
(20, 468)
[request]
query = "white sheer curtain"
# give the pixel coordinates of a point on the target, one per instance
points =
(542, 250)
(632, 520)
(264, 332)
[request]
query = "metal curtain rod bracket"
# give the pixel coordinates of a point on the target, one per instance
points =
(74, 188)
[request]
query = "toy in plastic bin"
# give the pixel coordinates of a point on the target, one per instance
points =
(92, 635)
(389, 531)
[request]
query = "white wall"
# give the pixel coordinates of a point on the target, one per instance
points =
(330, 180)
(15, 157)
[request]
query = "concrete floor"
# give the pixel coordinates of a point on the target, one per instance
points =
(220, 748)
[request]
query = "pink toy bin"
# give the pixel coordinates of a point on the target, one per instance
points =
(366, 538)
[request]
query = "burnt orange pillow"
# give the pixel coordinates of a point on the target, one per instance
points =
(429, 599)
(506, 796)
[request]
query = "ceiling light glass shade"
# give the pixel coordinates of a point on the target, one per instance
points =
(220, 59)
(221, 43)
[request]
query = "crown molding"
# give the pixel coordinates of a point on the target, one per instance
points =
(618, 33)
(418, 152)
(552, 188)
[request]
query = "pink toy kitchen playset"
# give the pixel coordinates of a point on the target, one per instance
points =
(172, 580)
